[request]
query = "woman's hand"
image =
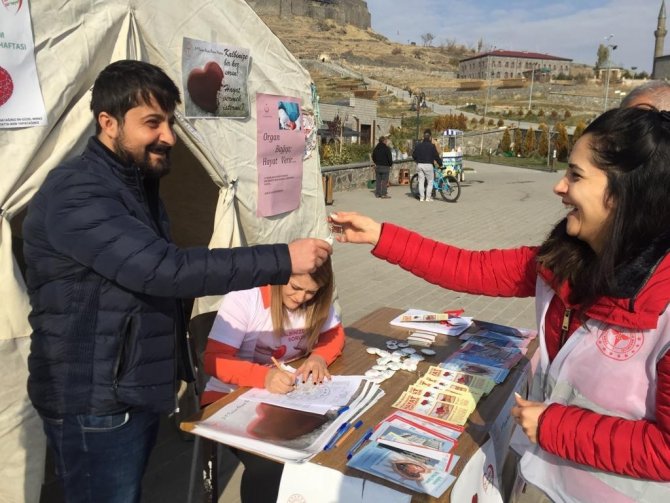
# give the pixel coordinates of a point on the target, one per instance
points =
(527, 415)
(279, 381)
(316, 366)
(356, 228)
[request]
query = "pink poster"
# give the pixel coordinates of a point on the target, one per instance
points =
(280, 147)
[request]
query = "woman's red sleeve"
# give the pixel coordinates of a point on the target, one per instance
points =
(221, 361)
(500, 273)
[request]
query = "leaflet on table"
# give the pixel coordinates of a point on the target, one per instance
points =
(439, 411)
(494, 328)
(501, 342)
(497, 374)
(422, 425)
(442, 395)
(403, 469)
(473, 382)
(489, 355)
(277, 432)
(430, 447)
(319, 398)
(439, 328)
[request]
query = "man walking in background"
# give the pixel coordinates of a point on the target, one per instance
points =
(383, 159)
(425, 154)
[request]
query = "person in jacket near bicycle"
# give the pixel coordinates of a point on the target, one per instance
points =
(598, 416)
(425, 155)
(383, 159)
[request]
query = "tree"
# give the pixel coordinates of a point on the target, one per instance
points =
(603, 56)
(579, 130)
(506, 142)
(518, 147)
(529, 143)
(562, 144)
(543, 146)
(427, 39)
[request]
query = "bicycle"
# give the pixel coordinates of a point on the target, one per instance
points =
(447, 185)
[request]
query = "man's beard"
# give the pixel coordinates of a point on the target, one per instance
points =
(155, 169)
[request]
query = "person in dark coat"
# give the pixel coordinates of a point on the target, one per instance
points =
(383, 159)
(105, 282)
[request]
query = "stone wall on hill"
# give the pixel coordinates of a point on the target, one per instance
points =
(353, 12)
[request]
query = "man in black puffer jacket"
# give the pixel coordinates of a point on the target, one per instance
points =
(105, 280)
(383, 159)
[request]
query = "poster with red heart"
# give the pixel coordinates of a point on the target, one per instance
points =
(21, 103)
(280, 144)
(215, 80)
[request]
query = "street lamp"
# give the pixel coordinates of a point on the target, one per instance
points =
(489, 57)
(418, 101)
(609, 63)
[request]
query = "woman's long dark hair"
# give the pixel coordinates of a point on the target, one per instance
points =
(632, 147)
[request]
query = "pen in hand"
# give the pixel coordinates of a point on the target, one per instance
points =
(359, 443)
(282, 369)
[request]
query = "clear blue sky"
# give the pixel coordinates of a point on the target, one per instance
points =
(566, 28)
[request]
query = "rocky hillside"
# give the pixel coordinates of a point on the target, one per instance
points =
(354, 12)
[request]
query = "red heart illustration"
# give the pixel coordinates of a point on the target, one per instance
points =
(279, 352)
(6, 86)
(203, 85)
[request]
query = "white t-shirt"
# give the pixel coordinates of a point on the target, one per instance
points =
(244, 322)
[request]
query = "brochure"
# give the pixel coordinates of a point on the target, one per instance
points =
(427, 326)
(403, 469)
(497, 374)
(439, 411)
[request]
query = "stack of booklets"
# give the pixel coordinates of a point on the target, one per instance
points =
(444, 395)
(292, 427)
(411, 451)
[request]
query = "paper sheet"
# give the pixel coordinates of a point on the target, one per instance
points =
(424, 326)
(312, 483)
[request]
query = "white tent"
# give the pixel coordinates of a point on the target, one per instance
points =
(76, 39)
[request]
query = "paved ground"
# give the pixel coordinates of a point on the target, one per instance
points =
(499, 207)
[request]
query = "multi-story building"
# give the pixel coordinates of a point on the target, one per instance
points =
(499, 64)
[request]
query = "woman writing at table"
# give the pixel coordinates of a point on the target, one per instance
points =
(599, 412)
(285, 322)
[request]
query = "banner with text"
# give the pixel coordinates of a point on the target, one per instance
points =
(280, 147)
(21, 103)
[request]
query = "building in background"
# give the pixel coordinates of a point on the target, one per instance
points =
(511, 65)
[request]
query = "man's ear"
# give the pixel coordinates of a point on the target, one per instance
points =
(109, 126)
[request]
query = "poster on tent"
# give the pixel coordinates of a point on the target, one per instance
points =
(280, 144)
(21, 103)
(215, 80)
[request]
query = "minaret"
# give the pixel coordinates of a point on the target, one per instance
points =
(659, 33)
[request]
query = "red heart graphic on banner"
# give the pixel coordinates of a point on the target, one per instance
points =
(6, 86)
(203, 86)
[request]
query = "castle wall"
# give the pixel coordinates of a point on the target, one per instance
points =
(353, 12)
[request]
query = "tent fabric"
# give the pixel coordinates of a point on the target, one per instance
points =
(74, 41)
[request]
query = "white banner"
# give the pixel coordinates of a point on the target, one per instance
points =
(21, 103)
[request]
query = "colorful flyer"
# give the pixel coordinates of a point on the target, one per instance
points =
(463, 400)
(280, 148)
(484, 385)
(21, 103)
(215, 80)
(441, 411)
(497, 374)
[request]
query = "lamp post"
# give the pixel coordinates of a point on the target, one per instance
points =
(607, 77)
(419, 101)
(488, 93)
(532, 79)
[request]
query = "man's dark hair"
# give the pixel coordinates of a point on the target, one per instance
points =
(427, 134)
(125, 84)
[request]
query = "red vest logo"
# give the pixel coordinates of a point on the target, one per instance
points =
(14, 5)
(618, 345)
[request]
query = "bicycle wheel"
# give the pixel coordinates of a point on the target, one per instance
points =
(450, 189)
(414, 185)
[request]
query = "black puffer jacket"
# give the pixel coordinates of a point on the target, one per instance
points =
(103, 276)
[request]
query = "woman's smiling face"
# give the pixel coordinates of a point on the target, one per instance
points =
(583, 188)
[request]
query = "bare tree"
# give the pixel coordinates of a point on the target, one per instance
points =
(427, 39)
(603, 56)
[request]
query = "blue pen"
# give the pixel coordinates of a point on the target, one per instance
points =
(342, 409)
(359, 443)
(340, 431)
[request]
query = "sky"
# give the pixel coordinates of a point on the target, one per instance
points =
(567, 28)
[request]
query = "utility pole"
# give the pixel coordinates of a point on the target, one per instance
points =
(609, 66)
(488, 93)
